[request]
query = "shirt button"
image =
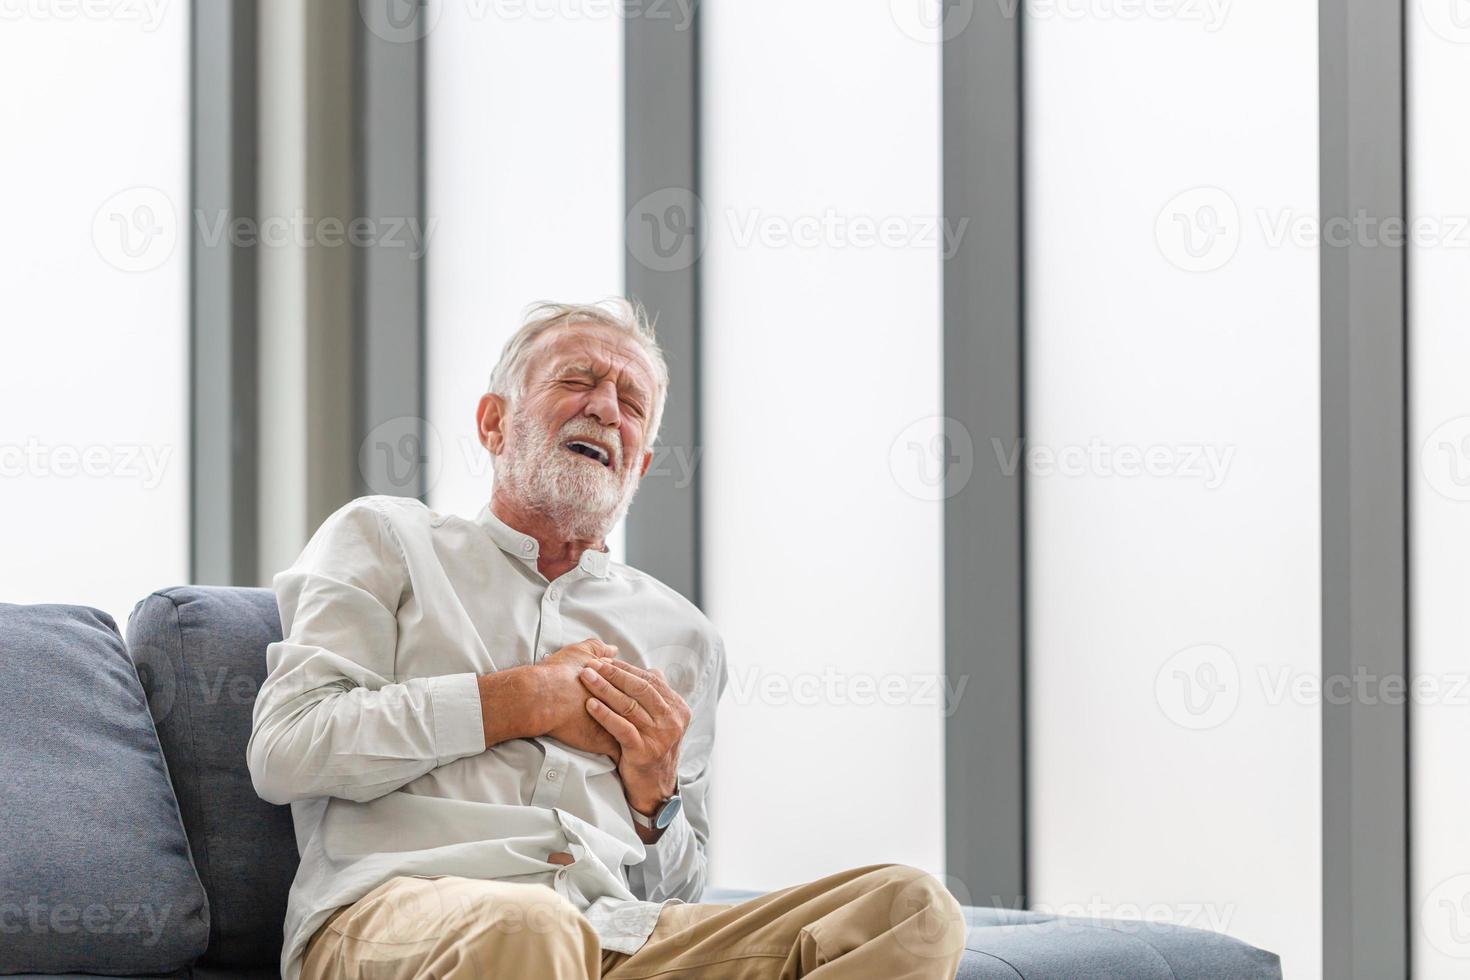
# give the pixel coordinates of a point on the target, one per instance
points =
(526, 546)
(553, 594)
(551, 775)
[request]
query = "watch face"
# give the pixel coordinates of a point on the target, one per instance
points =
(667, 813)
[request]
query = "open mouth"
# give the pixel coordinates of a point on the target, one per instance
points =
(591, 450)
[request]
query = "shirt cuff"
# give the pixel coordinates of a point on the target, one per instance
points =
(459, 722)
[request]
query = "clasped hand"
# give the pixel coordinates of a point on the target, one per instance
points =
(601, 704)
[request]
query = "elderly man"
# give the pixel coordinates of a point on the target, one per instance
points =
(496, 741)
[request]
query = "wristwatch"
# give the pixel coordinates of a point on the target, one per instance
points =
(663, 816)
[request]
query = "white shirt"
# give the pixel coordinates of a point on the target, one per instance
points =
(369, 723)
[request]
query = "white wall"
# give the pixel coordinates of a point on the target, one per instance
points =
(93, 381)
(1171, 596)
(525, 189)
(821, 348)
(1439, 487)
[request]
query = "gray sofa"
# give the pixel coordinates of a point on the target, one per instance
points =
(126, 789)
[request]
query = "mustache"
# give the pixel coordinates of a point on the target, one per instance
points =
(584, 428)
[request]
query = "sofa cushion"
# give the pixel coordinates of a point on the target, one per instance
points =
(1009, 944)
(201, 655)
(95, 870)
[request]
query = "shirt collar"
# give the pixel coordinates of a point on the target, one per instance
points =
(527, 548)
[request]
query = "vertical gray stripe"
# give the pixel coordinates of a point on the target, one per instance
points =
(388, 281)
(1364, 506)
(664, 239)
(222, 303)
(984, 521)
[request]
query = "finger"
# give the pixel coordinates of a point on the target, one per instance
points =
(634, 682)
(659, 681)
(617, 726)
(623, 702)
(597, 648)
(662, 697)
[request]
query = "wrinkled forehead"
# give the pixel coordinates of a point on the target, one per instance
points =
(592, 346)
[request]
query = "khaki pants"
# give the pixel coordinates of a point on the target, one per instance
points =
(884, 922)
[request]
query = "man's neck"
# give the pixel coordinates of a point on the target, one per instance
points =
(559, 553)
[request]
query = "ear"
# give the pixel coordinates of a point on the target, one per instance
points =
(643, 467)
(491, 419)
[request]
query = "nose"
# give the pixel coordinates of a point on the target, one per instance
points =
(603, 404)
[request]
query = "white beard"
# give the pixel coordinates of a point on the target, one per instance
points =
(582, 498)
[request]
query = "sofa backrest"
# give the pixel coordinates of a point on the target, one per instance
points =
(200, 653)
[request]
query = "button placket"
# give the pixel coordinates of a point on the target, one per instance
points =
(552, 777)
(551, 632)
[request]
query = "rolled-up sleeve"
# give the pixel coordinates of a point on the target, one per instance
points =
(676, 865)
(329, 720)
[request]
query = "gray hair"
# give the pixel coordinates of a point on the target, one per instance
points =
(508, 379)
